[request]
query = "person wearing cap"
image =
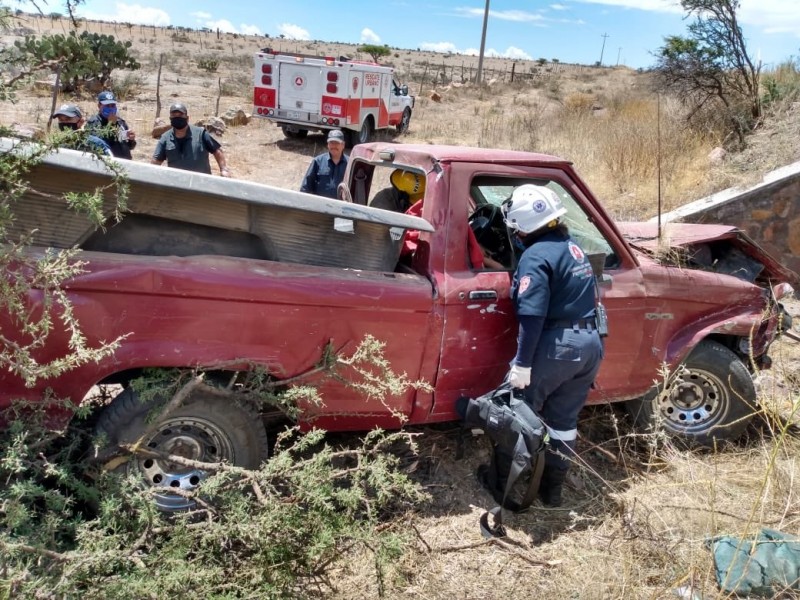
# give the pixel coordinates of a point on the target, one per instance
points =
(188, 147)
(110, 127)
(70, 118)
(326, 171)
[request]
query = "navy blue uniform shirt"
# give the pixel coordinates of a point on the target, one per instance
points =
(323, 177)
(554, 279)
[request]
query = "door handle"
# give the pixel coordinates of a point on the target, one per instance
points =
(483, 295)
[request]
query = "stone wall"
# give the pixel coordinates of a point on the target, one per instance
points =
(768, 212)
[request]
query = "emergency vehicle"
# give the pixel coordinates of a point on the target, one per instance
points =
(303, 93)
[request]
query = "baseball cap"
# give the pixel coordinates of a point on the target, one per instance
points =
(67, 110)
(179, 107)
(336, 135)
(106, 98)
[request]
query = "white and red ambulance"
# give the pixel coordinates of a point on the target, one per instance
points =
(311, 93)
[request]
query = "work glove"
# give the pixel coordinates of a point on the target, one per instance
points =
(519, 377)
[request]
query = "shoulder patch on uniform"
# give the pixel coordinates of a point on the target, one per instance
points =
(576, 252)
(524, 284)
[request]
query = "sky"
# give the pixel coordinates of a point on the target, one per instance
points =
(624, 32)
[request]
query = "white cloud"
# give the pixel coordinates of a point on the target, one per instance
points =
(370, 37)
(671, 6)
(517, 53)
(131, 13)
(439, 46)
(250, 29)
(559, 7)
(222, 25)
(511, 52)
(201, 16)
(520, 16)
(293, 32)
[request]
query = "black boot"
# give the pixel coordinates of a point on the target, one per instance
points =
(551, 486)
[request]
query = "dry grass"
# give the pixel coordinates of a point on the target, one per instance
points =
(638, 510)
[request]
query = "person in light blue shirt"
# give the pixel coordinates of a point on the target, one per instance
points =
(326, 171)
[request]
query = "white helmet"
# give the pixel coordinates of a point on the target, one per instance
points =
(531, 207)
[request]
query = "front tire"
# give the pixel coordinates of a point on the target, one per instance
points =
(405, 121)
(711, 400)
(205, 428)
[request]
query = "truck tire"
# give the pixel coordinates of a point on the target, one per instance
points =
(294, 133)
(712, 400)
(364, 135)
(205, 428)
(405, 121)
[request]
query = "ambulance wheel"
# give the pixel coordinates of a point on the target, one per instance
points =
(294, 133)
(364, 135)
(710, 400)
(405, 121)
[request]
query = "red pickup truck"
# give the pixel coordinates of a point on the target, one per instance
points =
(219, 274)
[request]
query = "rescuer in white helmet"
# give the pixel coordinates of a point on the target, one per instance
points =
(558, 347)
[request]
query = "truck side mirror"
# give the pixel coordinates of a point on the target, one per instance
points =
(404, 90)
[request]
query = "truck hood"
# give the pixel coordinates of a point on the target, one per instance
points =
(701, 246)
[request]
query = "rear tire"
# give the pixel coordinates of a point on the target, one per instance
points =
(205, 428)
(294, 133)
(364, 135)
(712, 398)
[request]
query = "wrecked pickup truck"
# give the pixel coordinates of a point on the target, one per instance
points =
(224, 275)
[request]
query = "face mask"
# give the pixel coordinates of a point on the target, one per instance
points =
(178, 122)
(68, 126)
(108, 111)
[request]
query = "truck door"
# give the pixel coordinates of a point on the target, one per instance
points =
(480, 327)
(300, 91)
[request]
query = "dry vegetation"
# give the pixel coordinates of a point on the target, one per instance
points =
(638, 509)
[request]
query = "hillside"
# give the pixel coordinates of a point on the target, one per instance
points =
(638, 509)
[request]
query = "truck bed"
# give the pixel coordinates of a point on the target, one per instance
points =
(180, 213)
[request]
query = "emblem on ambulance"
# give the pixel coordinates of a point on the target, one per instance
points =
(299, 81)
(355, 84)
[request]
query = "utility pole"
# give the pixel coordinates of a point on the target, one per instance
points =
(618, 53)
(604, 36)
(483, 44)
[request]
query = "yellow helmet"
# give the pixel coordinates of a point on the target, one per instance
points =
(412, 184)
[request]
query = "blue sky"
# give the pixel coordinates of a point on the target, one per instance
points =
(569, 30)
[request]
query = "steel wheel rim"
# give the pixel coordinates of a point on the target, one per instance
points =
(193, 438)
(696, 402)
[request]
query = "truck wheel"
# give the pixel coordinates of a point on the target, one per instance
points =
(712, 398)
(364, 135)
(294, 133)
(405, 120)
(205, 429)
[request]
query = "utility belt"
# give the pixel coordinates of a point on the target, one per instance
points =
(589, 324)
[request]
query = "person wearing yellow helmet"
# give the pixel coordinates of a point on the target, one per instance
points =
(407, 189)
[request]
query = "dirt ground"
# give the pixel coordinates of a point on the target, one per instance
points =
(637, 510)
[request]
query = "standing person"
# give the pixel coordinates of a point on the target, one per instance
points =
(326, 171)
(110, 127)
(187, 146)
(554, 295)
(70, 118)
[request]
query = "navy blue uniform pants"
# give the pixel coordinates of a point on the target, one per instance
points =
(564, 367)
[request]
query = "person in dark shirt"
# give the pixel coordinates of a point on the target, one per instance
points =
(110, 127)
(326, 171)
(70, 118)
(559, 348)
(187, 146)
